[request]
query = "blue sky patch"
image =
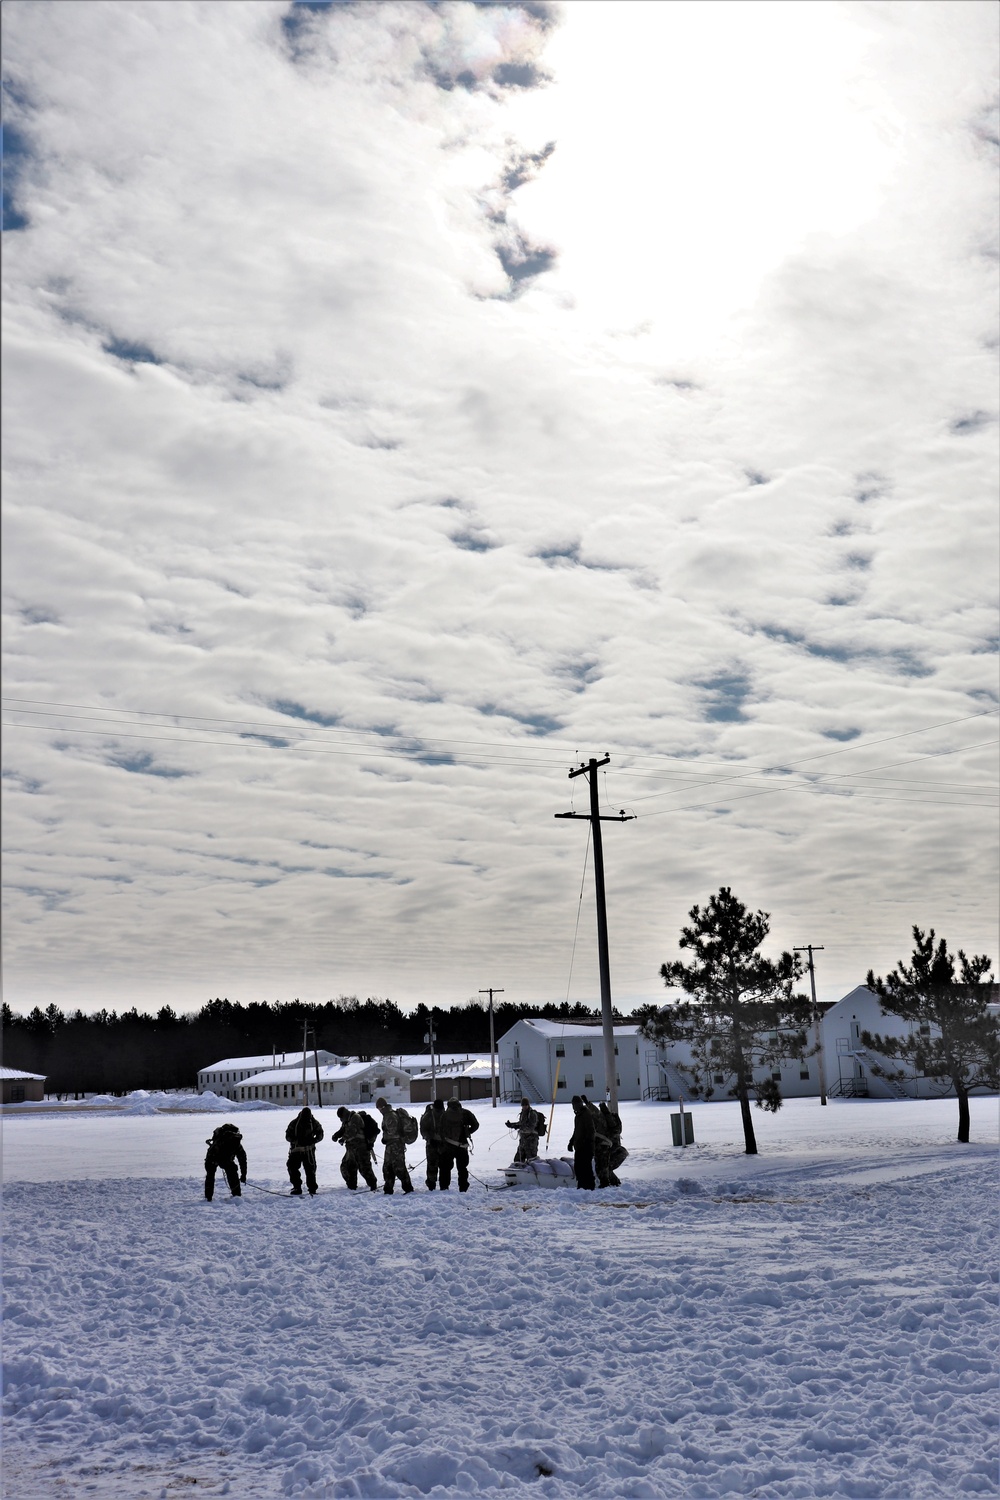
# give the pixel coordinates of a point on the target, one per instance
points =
(307, 715)
(141, 763)
(14, 156)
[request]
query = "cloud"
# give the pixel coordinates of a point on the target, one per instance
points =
(327, 556)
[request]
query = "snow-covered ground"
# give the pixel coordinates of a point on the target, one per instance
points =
(818, 1320)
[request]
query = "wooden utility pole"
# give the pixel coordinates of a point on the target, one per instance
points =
(430, 1035)
(493, 1049)
(808, 948)
(596, 818)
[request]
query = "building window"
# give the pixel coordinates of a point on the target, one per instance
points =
(588, 1050)
(588, 1080)
(17, 1093)
(561, 1084)
(616, 1051)
(560, 1050)
(803, 1072)
(618, 1082)
(925, 1028)
(380, 1083)
(776, 1074)
(718, 1078)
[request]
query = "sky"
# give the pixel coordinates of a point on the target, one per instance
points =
(405, 403)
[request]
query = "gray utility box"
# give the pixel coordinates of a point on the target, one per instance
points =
(682, 1129)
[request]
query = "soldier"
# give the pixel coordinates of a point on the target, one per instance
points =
(302, 1136)
(602, 1145)
(581, 1143)
(432, 1130)
(357, 1148)
(529, 1126)
(225, 1150)
(613, 1126)
(459, 1127)
(394, 1133)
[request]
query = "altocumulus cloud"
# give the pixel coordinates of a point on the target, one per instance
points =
(336, 531)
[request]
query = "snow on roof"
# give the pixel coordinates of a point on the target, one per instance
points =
(562, 1028)
(265, 1060)
(419, 1062)
(17, 1073)
(328, 1072)
(473, 1067)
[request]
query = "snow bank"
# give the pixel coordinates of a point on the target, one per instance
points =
(820, 1324)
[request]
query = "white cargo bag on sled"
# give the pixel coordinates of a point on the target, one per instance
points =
(545, 1172)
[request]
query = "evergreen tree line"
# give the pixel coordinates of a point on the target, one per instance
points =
(107, 1053)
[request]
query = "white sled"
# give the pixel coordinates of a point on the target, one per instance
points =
(544, 1172)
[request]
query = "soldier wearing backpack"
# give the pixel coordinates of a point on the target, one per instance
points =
(459, 1127)
(529, 1126)
(432, 1130)
(358, 1133)
(303, 1135)
(225, 1150)
(399, 1130)
(613, 1124)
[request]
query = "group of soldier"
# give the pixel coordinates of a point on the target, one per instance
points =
(446, 1130)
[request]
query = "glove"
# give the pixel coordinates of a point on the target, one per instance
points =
(243, 1179)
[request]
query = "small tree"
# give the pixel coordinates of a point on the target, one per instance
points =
(956, 1038)
(743, 1014)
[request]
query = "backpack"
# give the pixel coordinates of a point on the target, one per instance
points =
(540, 1125)
(407, 1125)
(371, 1128)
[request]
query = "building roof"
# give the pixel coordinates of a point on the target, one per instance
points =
(473, 1067)
(265, 1060)
(564, 1029)
(328, 1073)
(420, 1062)
(8, 1073)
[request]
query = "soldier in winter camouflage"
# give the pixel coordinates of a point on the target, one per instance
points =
(529, 1126)
(602, 1144)
(394, 1143)
(613, 1128)
(357, 1144)
(581, 1143)
(459, 1127)
(303, 1135)
(225, 1150)
(432, 1130)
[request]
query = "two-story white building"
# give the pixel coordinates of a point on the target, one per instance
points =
(533, 1051)
(852, 1070)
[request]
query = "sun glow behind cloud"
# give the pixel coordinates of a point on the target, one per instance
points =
(697, 146)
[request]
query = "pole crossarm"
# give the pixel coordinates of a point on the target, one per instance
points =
(622, 817)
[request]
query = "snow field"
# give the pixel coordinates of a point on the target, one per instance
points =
(818, 1322)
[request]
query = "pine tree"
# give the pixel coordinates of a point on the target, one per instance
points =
(956, 1037)
(743, 1013)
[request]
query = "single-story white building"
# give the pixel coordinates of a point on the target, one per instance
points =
(340, 1083)
(468, 1079)
(18, 1087)
(223, 1077)
(532, 1050)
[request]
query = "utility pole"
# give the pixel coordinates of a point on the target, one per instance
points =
(493, 1049)
(430, 1035)
(808, 948)
(596, 818)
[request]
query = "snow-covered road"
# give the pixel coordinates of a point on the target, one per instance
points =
(820, 1320)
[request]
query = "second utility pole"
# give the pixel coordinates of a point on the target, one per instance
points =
(595, 817)
(493, 1047)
